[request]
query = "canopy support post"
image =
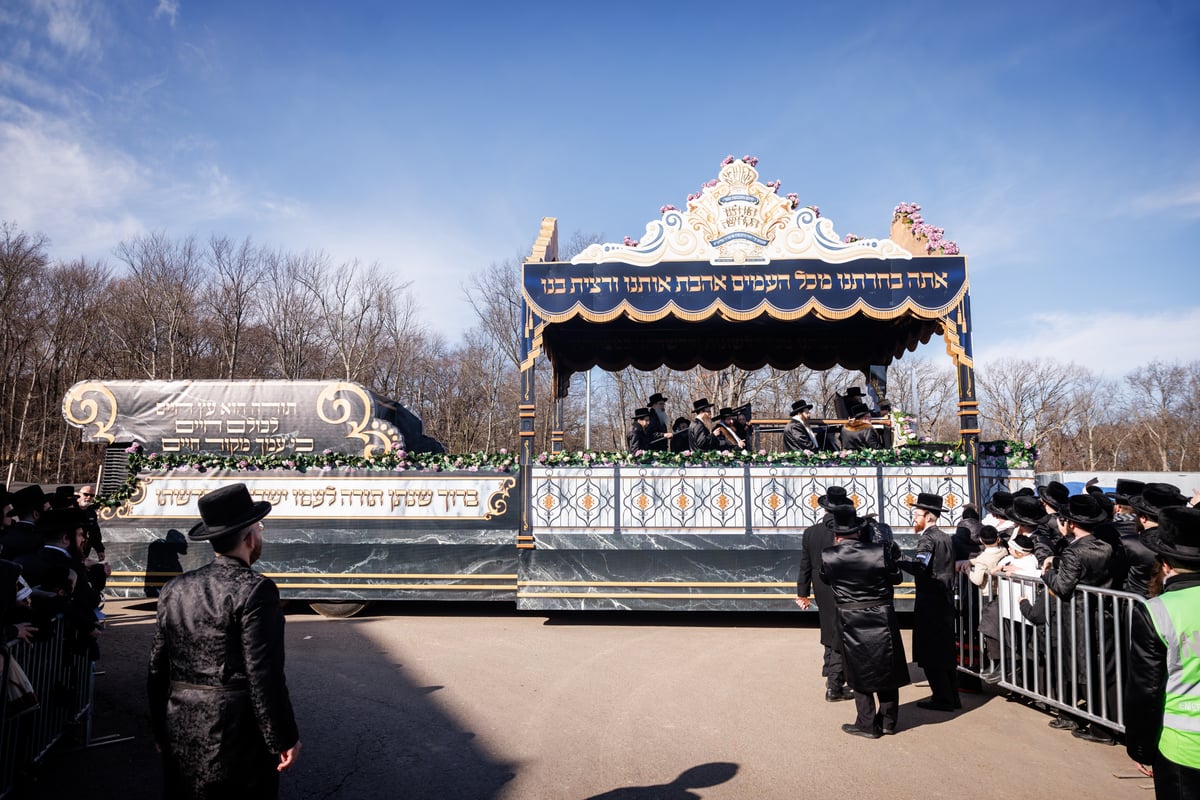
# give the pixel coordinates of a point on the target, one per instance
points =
(958, 346)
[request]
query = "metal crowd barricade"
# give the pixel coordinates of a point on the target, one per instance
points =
(1068, 654)
(62, 680)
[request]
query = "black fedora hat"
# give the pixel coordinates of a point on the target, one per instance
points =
(844, 520)
(856, 410)
(801, 405)
(1082, 509)
(57, 521)
(227, 510)
(1127, 489)
(641, 413)
(1177, 536)
(1000, 505)
(726, 413)
(657, 397)
(30, 498)
(927, 501)
(854, 391)
(700, 405)
(1155, 497)
(1027, 511)
(834, 496)
(1054, 494)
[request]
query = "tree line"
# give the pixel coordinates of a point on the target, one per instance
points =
(179, 308)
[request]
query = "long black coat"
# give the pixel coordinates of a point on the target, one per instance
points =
(219, 702)
(860, 436)
(932, 568)
(816, 539)
(657, 431)
(637, 438)
(1084, 562)
(797, 437)
(861, 577)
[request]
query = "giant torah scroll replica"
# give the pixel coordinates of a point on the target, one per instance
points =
(352, 528)
(743, 277)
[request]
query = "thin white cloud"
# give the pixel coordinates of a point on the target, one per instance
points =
(1184, 199)
(168, 9)
(70, 25)
(1111, 343)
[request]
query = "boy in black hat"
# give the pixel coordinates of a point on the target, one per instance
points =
(637, 438)
(934, 641)
(219, 702)
(1162, 696)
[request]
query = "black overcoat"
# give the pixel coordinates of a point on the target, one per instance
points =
(861, 577)
(816, 539)
(932, 568)
(219, 704)
(797, 437)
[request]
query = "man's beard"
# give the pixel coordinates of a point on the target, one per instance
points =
(661, 413)
(920, 525)
(256, 552)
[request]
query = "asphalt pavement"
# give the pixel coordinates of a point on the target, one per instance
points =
(452, 701)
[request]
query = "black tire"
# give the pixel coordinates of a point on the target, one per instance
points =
(343, 609)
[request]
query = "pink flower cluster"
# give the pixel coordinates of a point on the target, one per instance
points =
(668, 207)
(794, 199)
(853, 237)
(816, 210)
(935, 241)
(630, 242)
(774, 186)
(751, 160)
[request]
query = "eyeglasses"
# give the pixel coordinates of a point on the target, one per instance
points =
(85, 494)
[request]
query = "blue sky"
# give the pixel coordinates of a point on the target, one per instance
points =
(1057, 143)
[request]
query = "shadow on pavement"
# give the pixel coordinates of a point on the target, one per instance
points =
(697, 777)
(369, 730)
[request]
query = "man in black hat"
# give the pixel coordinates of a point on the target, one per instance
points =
(700, 432)
(659, 426)
(1147, 503)
(219, 702)
(816, 539)
(86, 498)
(932, 567)
(21, 538)
(1030, 517)
(861, 575)
(1053, 495)
(1162, 694)
(1085, 561)
(799, 434)
(637, 438)
(859, 433)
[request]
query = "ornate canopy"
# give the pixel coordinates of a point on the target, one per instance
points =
(741, 277)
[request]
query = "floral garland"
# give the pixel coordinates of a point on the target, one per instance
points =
(992, 455)
(910, 214)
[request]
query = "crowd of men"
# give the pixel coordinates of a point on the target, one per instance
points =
(52, 565)
(1142, 539)
(731, 429)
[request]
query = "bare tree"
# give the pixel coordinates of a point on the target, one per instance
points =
(289, 312)
(160, 293)
(239, 271)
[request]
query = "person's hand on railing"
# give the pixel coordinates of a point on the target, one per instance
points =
(25, 631)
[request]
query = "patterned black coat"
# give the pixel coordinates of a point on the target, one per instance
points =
(219, 704)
